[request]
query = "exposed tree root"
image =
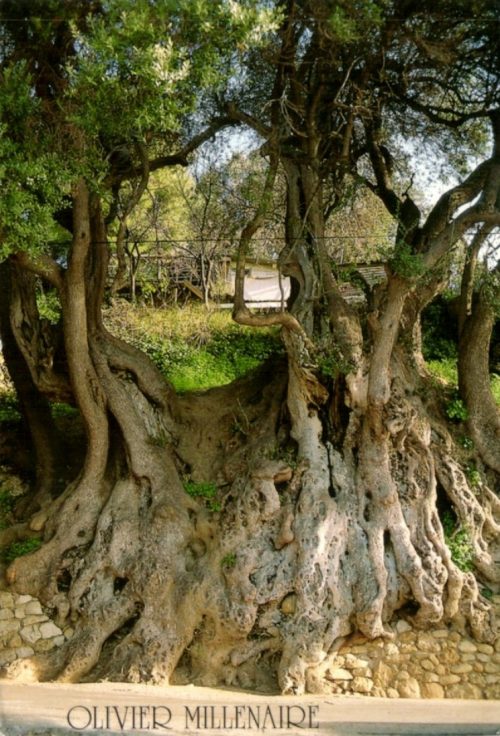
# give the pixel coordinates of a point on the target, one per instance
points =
(311, 541)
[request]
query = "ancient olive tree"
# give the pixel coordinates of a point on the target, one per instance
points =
(226, 536)
(347, 90)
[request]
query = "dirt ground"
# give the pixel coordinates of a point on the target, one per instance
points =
(112, 708)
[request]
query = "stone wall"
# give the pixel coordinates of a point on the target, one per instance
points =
(25, 629)
(418, 664)
(438, 663)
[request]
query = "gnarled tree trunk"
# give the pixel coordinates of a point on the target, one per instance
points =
(325, 520)
(474, 380)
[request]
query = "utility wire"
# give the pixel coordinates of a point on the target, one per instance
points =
(171, 241)
(469, 18)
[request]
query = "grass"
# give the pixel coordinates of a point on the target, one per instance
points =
(18, 549)
(9, 407)
(446, 370)
(206, 491)
(195, 349)
(459, 542)
(11, 488)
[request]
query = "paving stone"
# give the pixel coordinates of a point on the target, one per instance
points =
(44, 645)
(491, 668)
(35, 619)
(14, 641)
(403, 626)
(450, 679)
(7, 656)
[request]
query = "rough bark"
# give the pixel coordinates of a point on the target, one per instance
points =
(474, 381)
(325, 519)
(35, 408)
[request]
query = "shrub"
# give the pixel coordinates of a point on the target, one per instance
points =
(228, 560)
(194, 349)
(458, 541)
(9, 407)
(495, 387)
(6, 507)
(207, 491)
(49, 306)
(445, 370)
(17, 549)
(456, 410)
(438, 323)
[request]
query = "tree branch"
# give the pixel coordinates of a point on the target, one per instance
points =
(41, 265)
(180, 158)
(241, 313)
(238, 116)
(137, 192)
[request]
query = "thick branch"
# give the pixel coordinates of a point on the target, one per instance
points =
(137, 192)
(474, 381)
(238, 116)
(467, 285)
(41, 265)
(180, 158)
(241, 313)
(440, 230)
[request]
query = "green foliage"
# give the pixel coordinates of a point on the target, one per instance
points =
(228, 560)
(193, 349)
(405, 263)
(161, 439)
(10, 412)
(11, 488)
(7, 502)
(98, 82)
(495, 387)
(17, 549)
(456, 410)
(487, 593)
(458, 541)
(438, 323)
(347, 26)
(9, 407)
(473, 475)
(206, 491)
(445, 370)
(49, 306)
(61, 410)
(466, 442)
(331, 362)
(284, 454)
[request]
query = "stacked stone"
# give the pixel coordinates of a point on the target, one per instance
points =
(24, 628)
(435, 664)
(439, 663)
